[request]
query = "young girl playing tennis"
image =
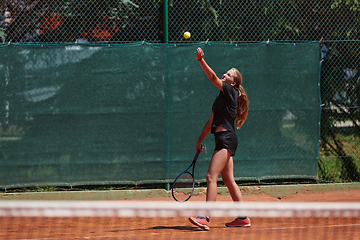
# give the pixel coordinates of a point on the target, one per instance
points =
(229, 107)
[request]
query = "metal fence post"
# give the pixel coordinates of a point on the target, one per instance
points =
(165, 22)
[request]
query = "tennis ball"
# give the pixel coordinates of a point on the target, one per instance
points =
(187, 35)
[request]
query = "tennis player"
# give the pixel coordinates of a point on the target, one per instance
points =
(229, 108)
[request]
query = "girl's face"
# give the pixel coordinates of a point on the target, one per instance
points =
(229, 77)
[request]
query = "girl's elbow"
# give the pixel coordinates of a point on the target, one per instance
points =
(213, 77)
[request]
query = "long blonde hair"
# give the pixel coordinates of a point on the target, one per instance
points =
(243, 101)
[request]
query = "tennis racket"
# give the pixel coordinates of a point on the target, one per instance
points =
(184, 184)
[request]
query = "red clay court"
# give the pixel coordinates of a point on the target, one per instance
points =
(181, 228)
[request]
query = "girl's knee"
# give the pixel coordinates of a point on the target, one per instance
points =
(211, 178)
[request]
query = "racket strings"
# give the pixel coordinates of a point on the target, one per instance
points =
(183, 187)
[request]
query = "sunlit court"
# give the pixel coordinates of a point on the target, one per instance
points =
(295, 216)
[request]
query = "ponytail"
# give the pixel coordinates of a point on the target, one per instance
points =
(242, 109)
(242, 101)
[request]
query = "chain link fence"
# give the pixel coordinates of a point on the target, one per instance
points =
(334, 23)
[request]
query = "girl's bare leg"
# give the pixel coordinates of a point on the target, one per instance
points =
(218, 162)
(228, 177)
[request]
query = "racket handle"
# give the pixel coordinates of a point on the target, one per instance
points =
(198, 153)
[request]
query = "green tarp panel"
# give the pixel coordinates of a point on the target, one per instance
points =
(76, 114)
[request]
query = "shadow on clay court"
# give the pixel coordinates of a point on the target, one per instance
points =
(180, 228)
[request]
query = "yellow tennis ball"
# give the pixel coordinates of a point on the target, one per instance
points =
(187, 35)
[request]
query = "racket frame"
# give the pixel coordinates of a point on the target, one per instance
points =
(192, 175)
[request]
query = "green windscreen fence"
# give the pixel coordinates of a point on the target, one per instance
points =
(113, 114)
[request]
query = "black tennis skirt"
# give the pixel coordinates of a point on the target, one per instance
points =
(227, 140)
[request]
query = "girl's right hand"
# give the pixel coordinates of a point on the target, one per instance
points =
(199, 146)
(199, 54)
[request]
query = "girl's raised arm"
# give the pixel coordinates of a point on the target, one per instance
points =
(208, 71)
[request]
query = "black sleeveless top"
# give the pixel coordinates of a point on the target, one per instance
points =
(224, 108)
